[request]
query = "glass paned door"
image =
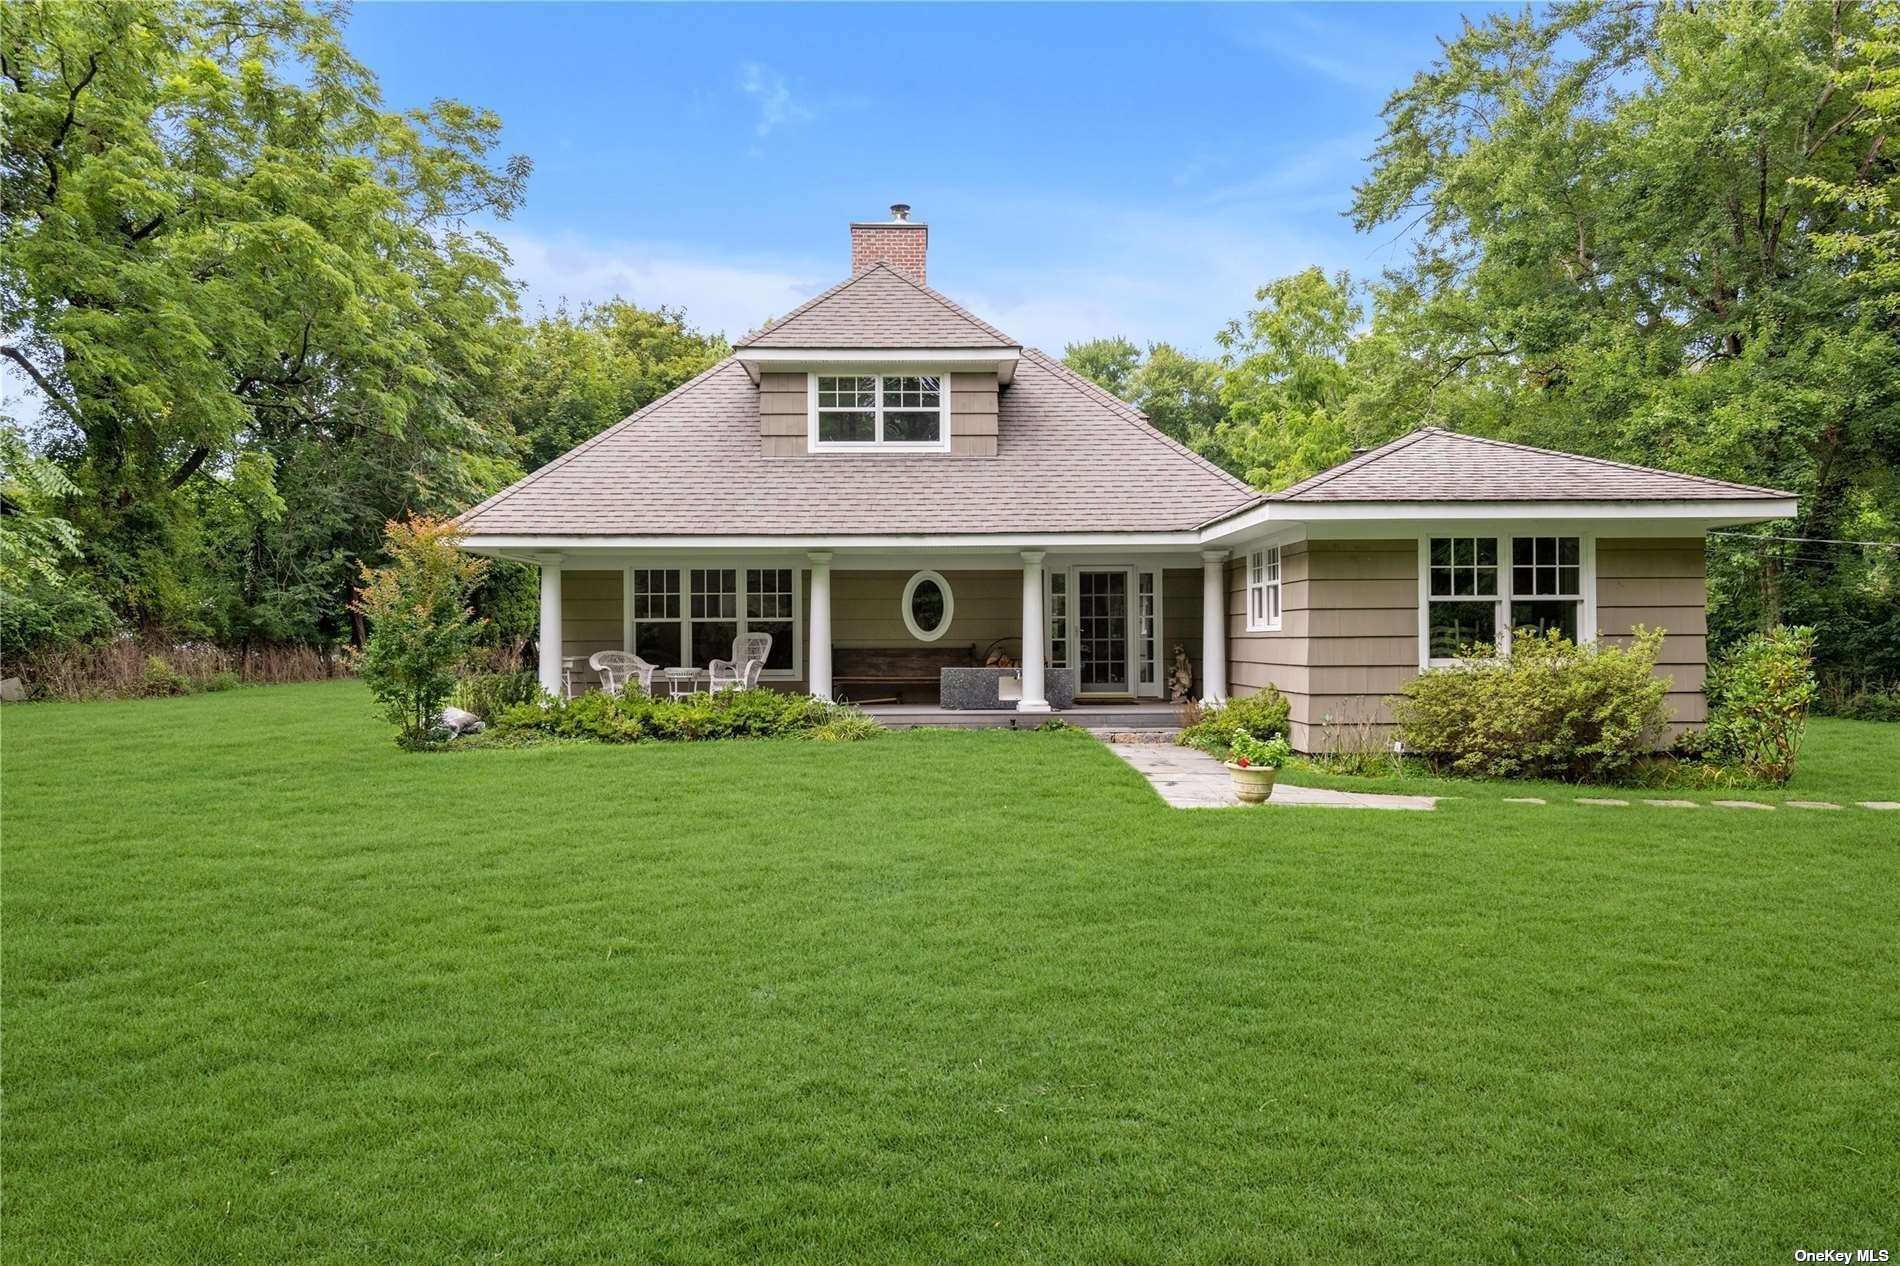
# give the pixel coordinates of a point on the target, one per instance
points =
(1101, 631)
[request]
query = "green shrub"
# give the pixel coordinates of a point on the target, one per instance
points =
(420, 630)
(636, 718)
(224, 680)
(1262, 715)
(1256, 753)
(1551, 709)
(1859, 703)
(1759, 697)
(162, 680)
(488, 695)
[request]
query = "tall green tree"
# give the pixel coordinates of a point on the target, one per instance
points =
(1179, 392)
(1287, 383)
(1622, 226)
(575, 374)
(249, 297)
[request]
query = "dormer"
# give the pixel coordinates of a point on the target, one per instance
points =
(880, 363)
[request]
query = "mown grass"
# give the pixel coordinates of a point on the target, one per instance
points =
(275, 991)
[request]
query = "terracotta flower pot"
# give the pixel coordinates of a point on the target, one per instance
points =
(1252, 783)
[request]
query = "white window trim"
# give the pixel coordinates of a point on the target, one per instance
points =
(795, 673)
(1268, 623)
(1587, 579)
(949, 605)
(939, 445)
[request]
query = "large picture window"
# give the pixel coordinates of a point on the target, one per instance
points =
(687, 617)
(1472, 599)
(878, 410)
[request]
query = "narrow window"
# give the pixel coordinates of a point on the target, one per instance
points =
(656, 616)
(768, 609)
(1263, 590)
(1462, 596)
(1148, 615)
(1058, 619)
(714, 614)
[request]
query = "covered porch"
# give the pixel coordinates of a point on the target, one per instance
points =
(919, 635)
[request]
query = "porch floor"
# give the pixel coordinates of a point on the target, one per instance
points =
(1089, 716)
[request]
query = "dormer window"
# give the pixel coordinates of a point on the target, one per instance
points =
(878, 411)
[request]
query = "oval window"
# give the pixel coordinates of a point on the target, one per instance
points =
(927, 606)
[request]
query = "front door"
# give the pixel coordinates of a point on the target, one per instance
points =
(1101, 632)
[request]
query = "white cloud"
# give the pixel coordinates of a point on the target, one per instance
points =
(777, 107)
(729, 294)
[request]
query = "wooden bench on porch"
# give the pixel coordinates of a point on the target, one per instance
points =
(885, 672)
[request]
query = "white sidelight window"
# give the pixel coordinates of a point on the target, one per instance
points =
(1057, 607)
(1263, 590)
(1472, 600)
(879, 411)
(1148, 631)
(686, 617)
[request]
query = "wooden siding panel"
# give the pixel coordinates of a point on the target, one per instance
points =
(591, 614)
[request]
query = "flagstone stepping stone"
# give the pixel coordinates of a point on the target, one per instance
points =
(1812, 804)
(1888, 805)
(1600, 800)
(1672, 804)
(1743, 804)
(1524, 800)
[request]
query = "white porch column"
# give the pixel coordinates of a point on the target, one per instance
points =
(1213, 625)
(1034, 697)
(549, 635)
(819, 631)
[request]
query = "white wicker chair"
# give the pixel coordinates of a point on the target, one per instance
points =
(618, 668)
(741, 672)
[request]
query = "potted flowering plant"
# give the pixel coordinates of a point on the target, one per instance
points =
(1253, 764)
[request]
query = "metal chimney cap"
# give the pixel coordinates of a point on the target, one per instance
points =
(900, 212)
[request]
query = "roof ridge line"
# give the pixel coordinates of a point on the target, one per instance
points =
(759, 331)
(942, 300)
(1613, 462)
(535, 475)
(1134, 417)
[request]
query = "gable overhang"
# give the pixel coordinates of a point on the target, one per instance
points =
(818, 360)
(1369, 518)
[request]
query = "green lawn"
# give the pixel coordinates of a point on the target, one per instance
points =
(276, 992)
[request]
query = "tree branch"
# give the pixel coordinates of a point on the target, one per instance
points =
(190, 468)
(44, 383)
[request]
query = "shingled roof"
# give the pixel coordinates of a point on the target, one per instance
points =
(1069, 458)
(1432, 464)
(878, 308)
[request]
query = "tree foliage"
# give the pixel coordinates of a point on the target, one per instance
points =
(421, 627)
(249, 299)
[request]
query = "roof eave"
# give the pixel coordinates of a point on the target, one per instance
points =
(1002, 360)
(1707, 511)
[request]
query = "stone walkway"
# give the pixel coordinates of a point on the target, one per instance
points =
(1191, 779)
(1188, 778)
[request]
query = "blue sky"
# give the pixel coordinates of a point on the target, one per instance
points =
(1085, 170)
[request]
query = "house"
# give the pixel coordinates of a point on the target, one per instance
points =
(892, 487)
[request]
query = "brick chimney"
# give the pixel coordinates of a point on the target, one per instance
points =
(898, 241)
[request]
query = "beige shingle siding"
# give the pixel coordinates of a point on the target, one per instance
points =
(878, 308)
(1349, 629)
(1661, 583)
(1436, 465)
(693, 464)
